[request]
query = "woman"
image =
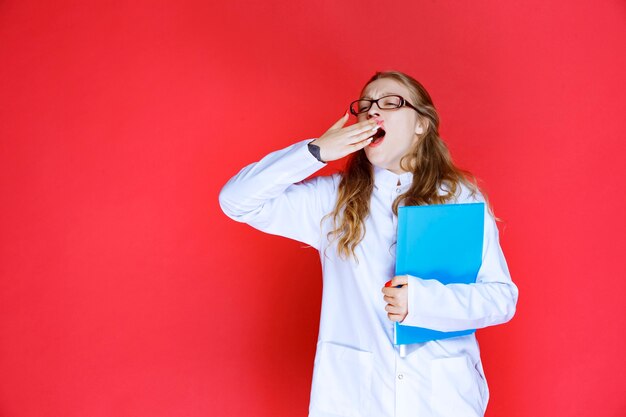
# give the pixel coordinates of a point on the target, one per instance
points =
(396, 158)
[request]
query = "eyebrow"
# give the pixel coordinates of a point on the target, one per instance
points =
(385, 93)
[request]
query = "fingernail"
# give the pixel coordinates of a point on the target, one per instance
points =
(388, 283)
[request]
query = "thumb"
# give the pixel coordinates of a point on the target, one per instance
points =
(341, 122)
(399, 280)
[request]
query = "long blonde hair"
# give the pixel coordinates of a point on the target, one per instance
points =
(429, 160)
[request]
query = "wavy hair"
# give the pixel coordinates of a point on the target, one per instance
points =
(429, 160)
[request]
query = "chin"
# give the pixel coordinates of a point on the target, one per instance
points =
(381, 160)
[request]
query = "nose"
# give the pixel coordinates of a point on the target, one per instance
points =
(374, 111)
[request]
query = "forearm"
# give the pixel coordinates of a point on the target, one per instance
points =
(455, 307)
(247, 192)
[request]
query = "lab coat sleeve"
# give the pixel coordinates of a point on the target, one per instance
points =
(453, 307)
(273, 196)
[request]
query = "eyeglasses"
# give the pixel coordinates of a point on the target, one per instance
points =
(390, 102)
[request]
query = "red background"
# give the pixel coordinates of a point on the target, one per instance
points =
(126, 292)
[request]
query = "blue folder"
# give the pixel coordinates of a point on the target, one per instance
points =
(442, 242)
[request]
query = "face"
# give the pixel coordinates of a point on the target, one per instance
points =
(402, 126)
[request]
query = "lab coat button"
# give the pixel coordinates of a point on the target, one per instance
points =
(400, 376)
(398, 190)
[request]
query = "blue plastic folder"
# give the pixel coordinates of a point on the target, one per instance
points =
(442, 242)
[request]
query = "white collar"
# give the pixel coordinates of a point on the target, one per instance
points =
(384, 178)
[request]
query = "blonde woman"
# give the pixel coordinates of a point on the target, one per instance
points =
(396, 157)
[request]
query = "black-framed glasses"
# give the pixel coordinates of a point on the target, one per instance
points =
(390, 102)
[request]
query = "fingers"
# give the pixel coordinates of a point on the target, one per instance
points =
(353, 133)
(361, 126)
(396, 298)
(396, 301)
(393, 290)
(356, 128)
(362, 142)
(399, 280)
(394, 309)
(396, 317)
(363, 139)
(396, 313)
(339, 141)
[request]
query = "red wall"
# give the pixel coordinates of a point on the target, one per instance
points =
(125, 291)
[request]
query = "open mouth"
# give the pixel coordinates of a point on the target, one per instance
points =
(378, 136)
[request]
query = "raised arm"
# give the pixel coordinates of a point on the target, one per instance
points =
(270, 195)
(273, 194)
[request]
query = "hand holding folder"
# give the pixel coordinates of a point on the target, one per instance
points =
(442, 242)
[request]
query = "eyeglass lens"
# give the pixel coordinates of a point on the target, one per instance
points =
(387, 102)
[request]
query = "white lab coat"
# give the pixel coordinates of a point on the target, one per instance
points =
(357, 371)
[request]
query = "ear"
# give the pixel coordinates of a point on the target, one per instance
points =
(420, 126)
